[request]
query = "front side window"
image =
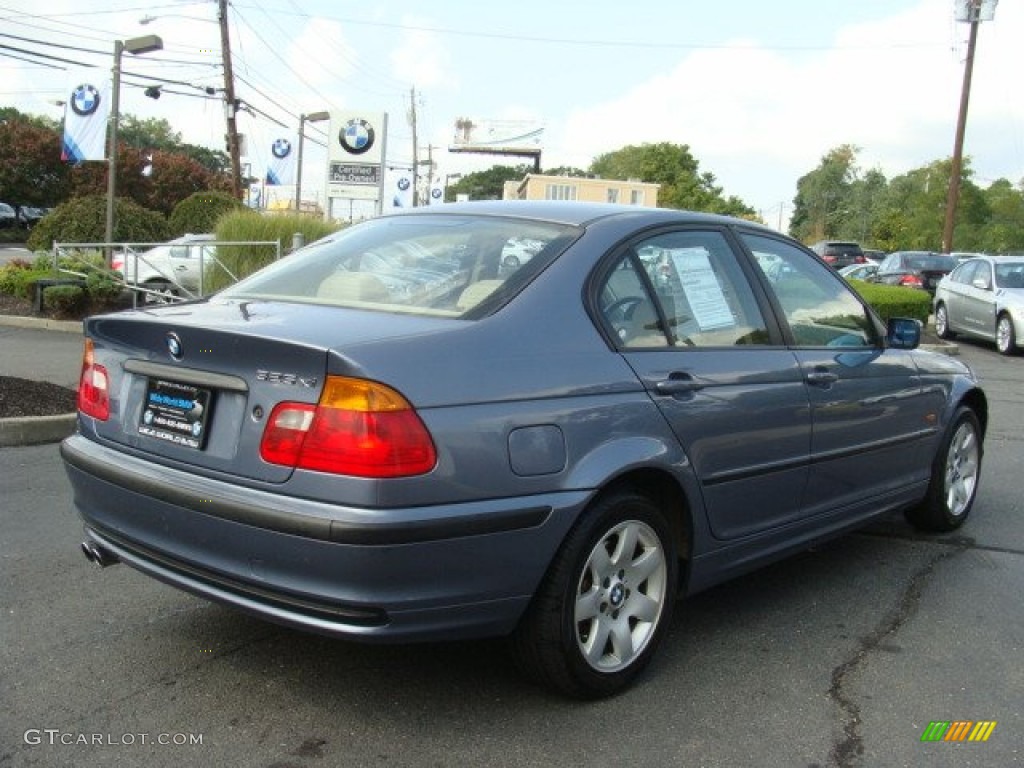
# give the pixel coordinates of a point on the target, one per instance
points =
(819, 307)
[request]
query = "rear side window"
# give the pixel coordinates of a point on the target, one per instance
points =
(819, 307)
(681, 289)
(430, 264)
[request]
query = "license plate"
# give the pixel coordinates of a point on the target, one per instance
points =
(175, 412)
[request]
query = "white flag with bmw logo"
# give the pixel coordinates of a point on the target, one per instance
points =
(400, 183)
(281, 168)
(85, 120)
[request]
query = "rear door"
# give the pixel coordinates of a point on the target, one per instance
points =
(685, 316)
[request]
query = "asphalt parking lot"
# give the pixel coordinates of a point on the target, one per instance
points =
(841, 656)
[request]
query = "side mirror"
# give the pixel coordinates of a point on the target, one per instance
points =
(903, 333)
(982, 283)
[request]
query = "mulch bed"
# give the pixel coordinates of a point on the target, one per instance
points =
(22, 397)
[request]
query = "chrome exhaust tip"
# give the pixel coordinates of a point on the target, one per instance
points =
(94, 553)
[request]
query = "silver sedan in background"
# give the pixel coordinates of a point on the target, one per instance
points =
(983, 298)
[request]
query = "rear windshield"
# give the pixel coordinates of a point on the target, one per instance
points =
(454, 265)
(843, 248)
(940, 263)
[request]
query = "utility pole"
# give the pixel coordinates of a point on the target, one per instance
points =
(415, 148)
(230, 102)
(972, 11)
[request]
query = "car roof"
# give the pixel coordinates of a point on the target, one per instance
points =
(574, 213)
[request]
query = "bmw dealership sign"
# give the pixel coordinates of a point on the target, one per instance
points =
(355, 161)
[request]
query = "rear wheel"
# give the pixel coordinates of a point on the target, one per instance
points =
(605, 603)
(942, 323)
(1006, 339)
(954, 479)
(158, 292)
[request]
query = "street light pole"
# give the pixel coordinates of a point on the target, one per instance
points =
(135, 46)
(312, 117)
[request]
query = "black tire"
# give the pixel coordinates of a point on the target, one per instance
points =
(600, 614)
(942, 323)
(1006, 339)
(954, 480)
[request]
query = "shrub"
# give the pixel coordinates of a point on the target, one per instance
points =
(67, 301)
(200, 212)
(83, 220)
(895, 301)
(248, 226)
(19, 279)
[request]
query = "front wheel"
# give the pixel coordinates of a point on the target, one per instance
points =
(1006, 339)
(942, 323)
(605, 603)
(954, 480)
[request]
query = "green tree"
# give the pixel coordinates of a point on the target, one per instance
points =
(824, 207)
(489, 184)
(672, 166)
(566, 170)
(1004, 231)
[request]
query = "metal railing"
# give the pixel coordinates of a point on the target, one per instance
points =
(163, 286)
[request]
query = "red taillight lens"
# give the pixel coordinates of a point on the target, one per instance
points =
(911, 281)
(93, 386)
(358, 428)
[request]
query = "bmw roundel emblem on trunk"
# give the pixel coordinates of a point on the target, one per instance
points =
(174, 346)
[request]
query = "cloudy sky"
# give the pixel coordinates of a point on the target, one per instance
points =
(759, 91)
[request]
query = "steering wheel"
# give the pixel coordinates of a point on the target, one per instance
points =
(620, 314)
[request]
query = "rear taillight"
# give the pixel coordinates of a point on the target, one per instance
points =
(911, 281)
(359, 428)
(93, 386)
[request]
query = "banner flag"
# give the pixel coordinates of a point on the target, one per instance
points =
(85, 120)
(399, 186)
(282, 165)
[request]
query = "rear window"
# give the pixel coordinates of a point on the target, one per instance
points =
(932, 263)
(429, 264)
(843, 248)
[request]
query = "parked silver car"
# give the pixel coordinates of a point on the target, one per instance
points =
(172, 269)
(553, 453)
(983, 298)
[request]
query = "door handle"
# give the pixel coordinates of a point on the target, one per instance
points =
(821, 377)
(678, 384)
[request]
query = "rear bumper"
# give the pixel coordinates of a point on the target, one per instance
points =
(420, 573)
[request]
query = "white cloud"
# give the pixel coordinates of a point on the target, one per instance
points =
(759, 118)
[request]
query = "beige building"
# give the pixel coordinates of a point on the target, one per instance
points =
(535, 186)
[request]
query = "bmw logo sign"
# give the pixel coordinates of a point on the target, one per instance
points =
(85, 100)
(174, 346)
(281, 148)
(435, 193)
(357, 137)
(403, 183)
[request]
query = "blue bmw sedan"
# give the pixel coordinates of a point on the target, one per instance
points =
(397, 434)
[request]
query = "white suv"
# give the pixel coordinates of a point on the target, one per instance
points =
(171, 269)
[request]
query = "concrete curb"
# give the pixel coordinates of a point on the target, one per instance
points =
(41, 323)
(36, 430)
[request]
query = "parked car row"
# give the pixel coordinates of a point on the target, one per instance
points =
(25, 216)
